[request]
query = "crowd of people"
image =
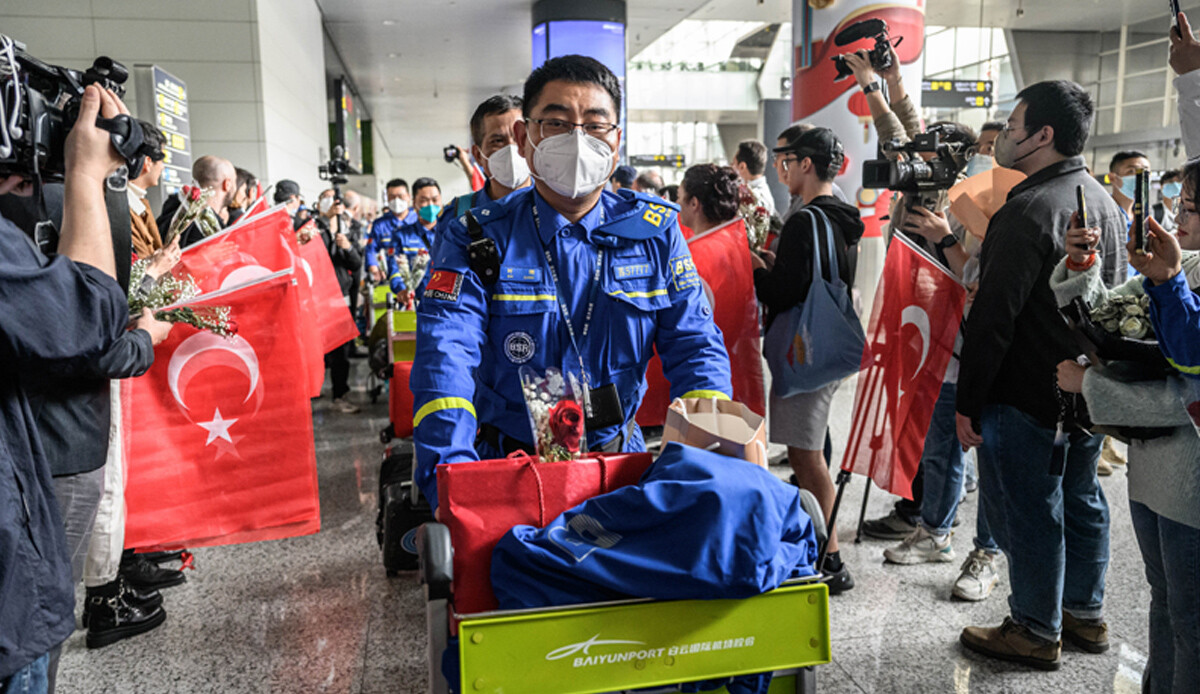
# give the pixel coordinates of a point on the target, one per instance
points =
(561, 257)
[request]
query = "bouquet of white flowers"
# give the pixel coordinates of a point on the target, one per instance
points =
(1126, 316)
(169, 290)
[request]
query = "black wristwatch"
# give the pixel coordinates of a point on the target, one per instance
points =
(947, 242)
(872, 87)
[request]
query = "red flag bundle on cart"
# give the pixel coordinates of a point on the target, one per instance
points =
(219, 430)
(722, 259)
(333, 318)
(914, 323)
(246, 251)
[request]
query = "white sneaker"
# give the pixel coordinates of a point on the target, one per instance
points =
(978, 577)
(919, 547)
(345, 406)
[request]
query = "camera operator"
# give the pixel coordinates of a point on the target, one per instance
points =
(898, 120)
(347, 259)
(87, 312)
(1007, 402)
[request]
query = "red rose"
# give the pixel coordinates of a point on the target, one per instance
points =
(566, 424)
(193, 194)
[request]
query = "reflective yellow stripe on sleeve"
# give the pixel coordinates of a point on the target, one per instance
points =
(1193, 370)
(442, 404)
(706, 394)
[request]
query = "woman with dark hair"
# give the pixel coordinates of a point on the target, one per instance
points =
(708, 198)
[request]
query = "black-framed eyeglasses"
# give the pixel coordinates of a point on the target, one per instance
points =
(549, 127)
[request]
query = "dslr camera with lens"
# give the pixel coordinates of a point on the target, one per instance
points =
(39, 104)
(904, 169)
(880, 55)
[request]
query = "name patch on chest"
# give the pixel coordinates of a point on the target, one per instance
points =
(521, 274)
(630, 271)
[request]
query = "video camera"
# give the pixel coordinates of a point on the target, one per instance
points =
(335, 171)
(39, 104)
(880, 55)
(909, 173)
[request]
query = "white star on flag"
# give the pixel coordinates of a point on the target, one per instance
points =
(218, 428)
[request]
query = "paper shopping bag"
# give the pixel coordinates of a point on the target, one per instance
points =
(482, 501)
(730, 428)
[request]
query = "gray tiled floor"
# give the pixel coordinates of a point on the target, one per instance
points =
(317, 614)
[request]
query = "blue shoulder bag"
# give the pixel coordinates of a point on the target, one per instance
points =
(821, 340)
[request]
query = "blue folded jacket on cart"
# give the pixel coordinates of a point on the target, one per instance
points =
(698, 525)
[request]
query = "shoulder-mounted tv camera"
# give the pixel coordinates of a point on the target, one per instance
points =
(39, 103)
(880, 55)
(903, 169)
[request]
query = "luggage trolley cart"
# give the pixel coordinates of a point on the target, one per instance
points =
(628, 644)
(377, 297)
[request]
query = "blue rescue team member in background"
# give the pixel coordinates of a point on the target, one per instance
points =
(412, 238)
(563, 275)
(495, 148)
(383, 230)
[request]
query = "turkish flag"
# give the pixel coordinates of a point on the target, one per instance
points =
(220, 440)
(722, 258)
(258, 206)
(915, 320)
(249, 250)
(333, 318)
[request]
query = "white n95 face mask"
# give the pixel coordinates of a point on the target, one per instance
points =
(508, 167)
(398, 206)
(573, 164)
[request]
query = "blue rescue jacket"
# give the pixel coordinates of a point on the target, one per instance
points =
(382, 237)
(472, 338)
(1175, 313)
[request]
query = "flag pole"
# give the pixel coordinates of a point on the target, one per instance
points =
(862, 513)
(842, 478)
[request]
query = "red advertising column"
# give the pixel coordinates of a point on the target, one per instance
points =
(840, 105)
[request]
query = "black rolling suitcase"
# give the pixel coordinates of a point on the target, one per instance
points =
(401, 510)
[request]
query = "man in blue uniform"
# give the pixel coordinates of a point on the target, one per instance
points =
(495, 148)
(381, 239)
(415, 237)
(563, 275)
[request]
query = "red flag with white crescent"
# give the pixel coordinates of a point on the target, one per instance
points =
(722, 259)
(333, 318)
(219, 430)
(246, 251)
(257, 207)
(910, 341)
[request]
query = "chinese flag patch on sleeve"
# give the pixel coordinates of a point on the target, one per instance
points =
(444, 285)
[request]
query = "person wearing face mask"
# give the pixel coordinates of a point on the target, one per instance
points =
(1170, 187)
(495, 148)
(563, 275)
(417, 237)
(382, 238)
(1044, 503)
(1164, 470)
(335, 233)
(1121, 172)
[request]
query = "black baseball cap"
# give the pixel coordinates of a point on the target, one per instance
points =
(820, 144)
(625, 175)
(286, 189)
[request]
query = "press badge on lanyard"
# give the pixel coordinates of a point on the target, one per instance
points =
(602, 405)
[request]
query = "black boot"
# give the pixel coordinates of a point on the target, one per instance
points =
(109, 618)
(144, 574)
(144, 600)
(163, 557)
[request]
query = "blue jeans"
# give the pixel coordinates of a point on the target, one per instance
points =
(30, 679)
(944, 467)
(1053, 529)
(1171, 552)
